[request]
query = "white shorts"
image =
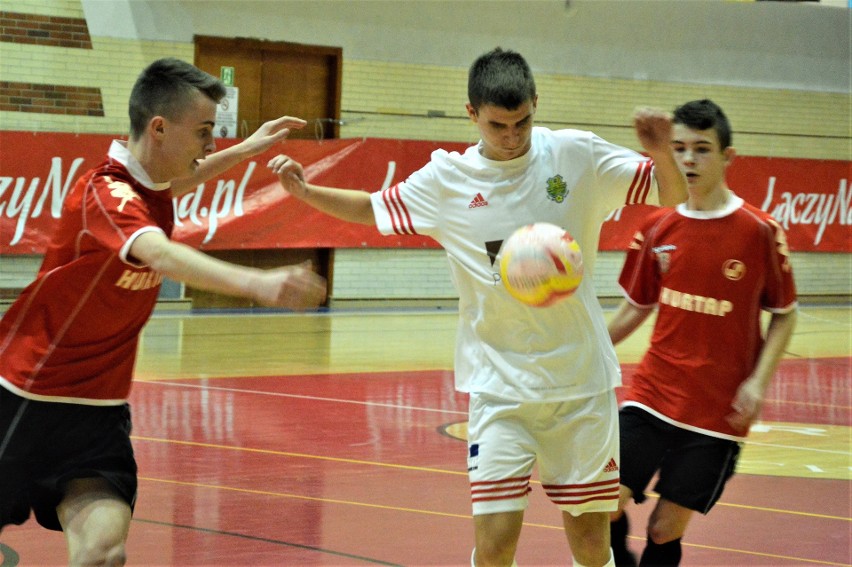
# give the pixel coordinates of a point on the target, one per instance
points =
(574, 443)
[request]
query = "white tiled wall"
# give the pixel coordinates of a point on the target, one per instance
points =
(371, 273)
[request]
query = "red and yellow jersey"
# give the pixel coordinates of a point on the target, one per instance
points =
(72, 334)
(710, 273)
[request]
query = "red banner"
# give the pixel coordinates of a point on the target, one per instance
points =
(246, 208)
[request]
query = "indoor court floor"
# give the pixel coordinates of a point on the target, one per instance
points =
(337, 439)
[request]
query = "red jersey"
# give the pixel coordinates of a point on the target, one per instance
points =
(72, 334)
(710, 273)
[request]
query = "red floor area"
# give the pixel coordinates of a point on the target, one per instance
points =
(355, 470)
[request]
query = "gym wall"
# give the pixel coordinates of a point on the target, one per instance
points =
(56, 46)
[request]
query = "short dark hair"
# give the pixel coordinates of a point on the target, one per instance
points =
(502, 78)
(165, 88)
(702, 115)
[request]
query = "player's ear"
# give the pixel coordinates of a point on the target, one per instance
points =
(471, 112)
(157, 127)
(730, 153)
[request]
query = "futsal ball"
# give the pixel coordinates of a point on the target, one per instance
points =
(541, 264)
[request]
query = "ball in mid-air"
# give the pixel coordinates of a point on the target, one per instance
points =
(541, 264)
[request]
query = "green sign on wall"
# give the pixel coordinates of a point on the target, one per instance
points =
(226, 74)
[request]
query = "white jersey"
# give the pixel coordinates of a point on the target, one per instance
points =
(470, 205)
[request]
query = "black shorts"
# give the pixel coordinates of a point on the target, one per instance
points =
(693, 468)
(43, 445)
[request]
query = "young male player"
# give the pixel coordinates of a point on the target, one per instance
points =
(68, 344)
(540, 379)
(709, 266)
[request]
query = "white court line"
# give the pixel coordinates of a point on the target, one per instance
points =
(798, 448)
(804, 314)
(301, 397)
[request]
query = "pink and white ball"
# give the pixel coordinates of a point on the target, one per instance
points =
(541, 264)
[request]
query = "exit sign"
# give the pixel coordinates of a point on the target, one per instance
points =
(226, 74)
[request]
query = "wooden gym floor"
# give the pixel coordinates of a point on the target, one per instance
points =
(337, 439)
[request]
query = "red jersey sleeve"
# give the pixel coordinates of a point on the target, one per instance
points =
(639, 276)
(115, 212)
(779, 293)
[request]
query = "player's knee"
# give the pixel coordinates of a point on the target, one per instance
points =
(100, 552)
(497, 537)
(662, 532)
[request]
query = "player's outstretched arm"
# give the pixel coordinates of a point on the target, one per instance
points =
(750, 396)
(348, 204)
(654, 130)
(627, 319)
(269, 134)
(292, 287)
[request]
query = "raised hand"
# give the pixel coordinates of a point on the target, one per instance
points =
(272, 132)
(653, 128)
(291, 175)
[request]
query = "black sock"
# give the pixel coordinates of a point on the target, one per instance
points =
(618, 531)
(661, 554)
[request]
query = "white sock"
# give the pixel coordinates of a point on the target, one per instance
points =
(610, 563)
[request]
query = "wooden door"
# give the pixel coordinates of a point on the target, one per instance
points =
(302, 81)
(279, 78)
(275, 79)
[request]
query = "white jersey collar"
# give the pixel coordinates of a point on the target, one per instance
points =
(517, 163)
(119, 152)
(734, 203)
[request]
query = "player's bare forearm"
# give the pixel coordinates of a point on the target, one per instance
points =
(264, 138)
(347, 204)
(182, 263)
(627, 318)
(778, 335)
(751, 394)
(670, 179)
(293, 287)
(654, 130)
(208, 168)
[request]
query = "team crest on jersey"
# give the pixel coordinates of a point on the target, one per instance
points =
(557, 189)
(121, 190)
(734, 270)
(664, 256)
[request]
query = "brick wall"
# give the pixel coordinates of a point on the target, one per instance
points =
(50, 99)
(55, 77)
(64, 32)
(36, 29)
